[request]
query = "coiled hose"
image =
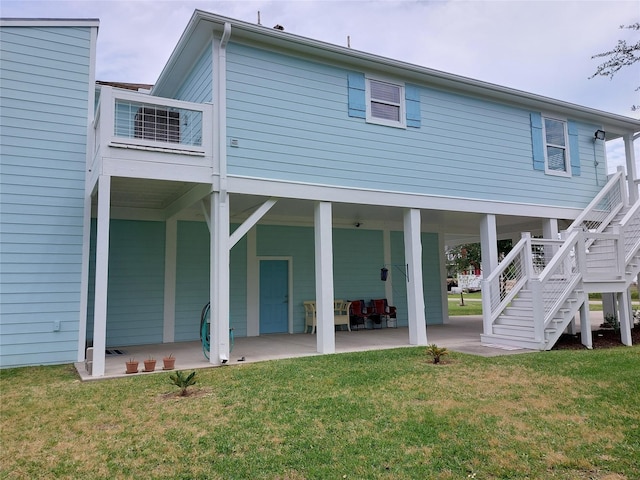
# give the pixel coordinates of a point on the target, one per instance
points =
(205, 331)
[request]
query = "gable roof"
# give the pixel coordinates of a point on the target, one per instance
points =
(203, 26)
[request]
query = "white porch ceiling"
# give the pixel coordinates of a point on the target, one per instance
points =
(152, 200)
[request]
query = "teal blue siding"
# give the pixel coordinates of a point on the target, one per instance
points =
(198, 85)
(44, 75)
(291, 117)
(192, 278)
(431, 280)
(192, 281)
(358, 257)
(238, 288)
(135, 302)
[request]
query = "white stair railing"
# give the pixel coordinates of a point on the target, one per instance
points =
(630, 228)
(504, 283)
(604, 207)
(557, 282)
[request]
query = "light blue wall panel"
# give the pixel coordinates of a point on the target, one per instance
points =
(192, 281)
(198, 86)
(358, 257)
(238, 288)
(431, 281)
(136, 283)
(291, 119)
(297, 242)
(44, 75)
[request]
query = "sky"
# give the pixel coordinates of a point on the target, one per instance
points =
(538, 46)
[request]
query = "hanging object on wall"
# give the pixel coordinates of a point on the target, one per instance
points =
(384, 272)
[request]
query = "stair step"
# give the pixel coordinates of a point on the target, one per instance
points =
(512, 320)
(518, 311)
(519, 331)
(508, 341)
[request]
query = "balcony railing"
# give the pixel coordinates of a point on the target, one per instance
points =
(134, 120)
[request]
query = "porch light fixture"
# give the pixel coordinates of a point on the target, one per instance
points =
(599, 135)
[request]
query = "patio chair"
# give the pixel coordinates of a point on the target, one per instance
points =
(384, 311)
(309, 316)
(358, 314)
(341, 313)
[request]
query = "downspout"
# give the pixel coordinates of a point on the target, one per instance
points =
(219, 258)
(221, 112)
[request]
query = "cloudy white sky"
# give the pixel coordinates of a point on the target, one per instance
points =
(539, 46)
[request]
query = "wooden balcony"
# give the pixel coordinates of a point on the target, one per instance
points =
(136, 135)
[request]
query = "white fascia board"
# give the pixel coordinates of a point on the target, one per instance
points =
(49, 22)
(309, 191)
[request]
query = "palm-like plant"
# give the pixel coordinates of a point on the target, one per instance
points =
(183, 382)
(436, 352)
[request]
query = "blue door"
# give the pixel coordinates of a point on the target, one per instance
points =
(274, 296)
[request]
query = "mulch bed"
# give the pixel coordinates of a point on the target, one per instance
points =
(603, 338)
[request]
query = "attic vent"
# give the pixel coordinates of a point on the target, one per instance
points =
(157, 124)
(279, 27)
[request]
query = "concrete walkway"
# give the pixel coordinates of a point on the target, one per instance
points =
(459, 334)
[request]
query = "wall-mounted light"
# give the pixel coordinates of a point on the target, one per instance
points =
(599, 135)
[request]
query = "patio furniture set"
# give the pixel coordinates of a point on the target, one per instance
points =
(354, 314)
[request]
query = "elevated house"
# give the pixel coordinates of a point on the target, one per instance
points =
(264, 169)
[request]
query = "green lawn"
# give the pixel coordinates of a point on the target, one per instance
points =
(371, 415)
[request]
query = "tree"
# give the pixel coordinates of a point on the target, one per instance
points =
(468, 256)
(622, 55)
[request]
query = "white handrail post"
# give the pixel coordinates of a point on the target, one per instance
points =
(528, 256)
(487, 312)
(618, 233)
(581, 254)
(538, 309)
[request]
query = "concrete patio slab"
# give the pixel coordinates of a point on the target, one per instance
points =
(459, 334)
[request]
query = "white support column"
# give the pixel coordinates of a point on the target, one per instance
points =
(326, 340)
(170, 269)
(585, 326)
(632, 168)
(219, 347)
(102, 276)
(488, 244)
(84, 278)
(624, 309)
(386, 246)
(415, 292)
(550, 228)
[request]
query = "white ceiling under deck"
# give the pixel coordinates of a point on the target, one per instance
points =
(151, 200)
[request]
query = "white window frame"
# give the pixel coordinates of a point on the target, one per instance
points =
(567, 154)
(402, 123)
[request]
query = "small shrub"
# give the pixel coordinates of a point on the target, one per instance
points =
(436, 352)
(611, 321)
(183, 382)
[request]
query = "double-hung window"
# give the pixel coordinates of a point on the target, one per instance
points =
(385, 103)
(556, 147)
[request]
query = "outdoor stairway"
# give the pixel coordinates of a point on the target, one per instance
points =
(540, 286)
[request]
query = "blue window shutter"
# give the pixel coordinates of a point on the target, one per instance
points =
(412, 101)
(574, 147)
(537, 141)
(357, 98)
